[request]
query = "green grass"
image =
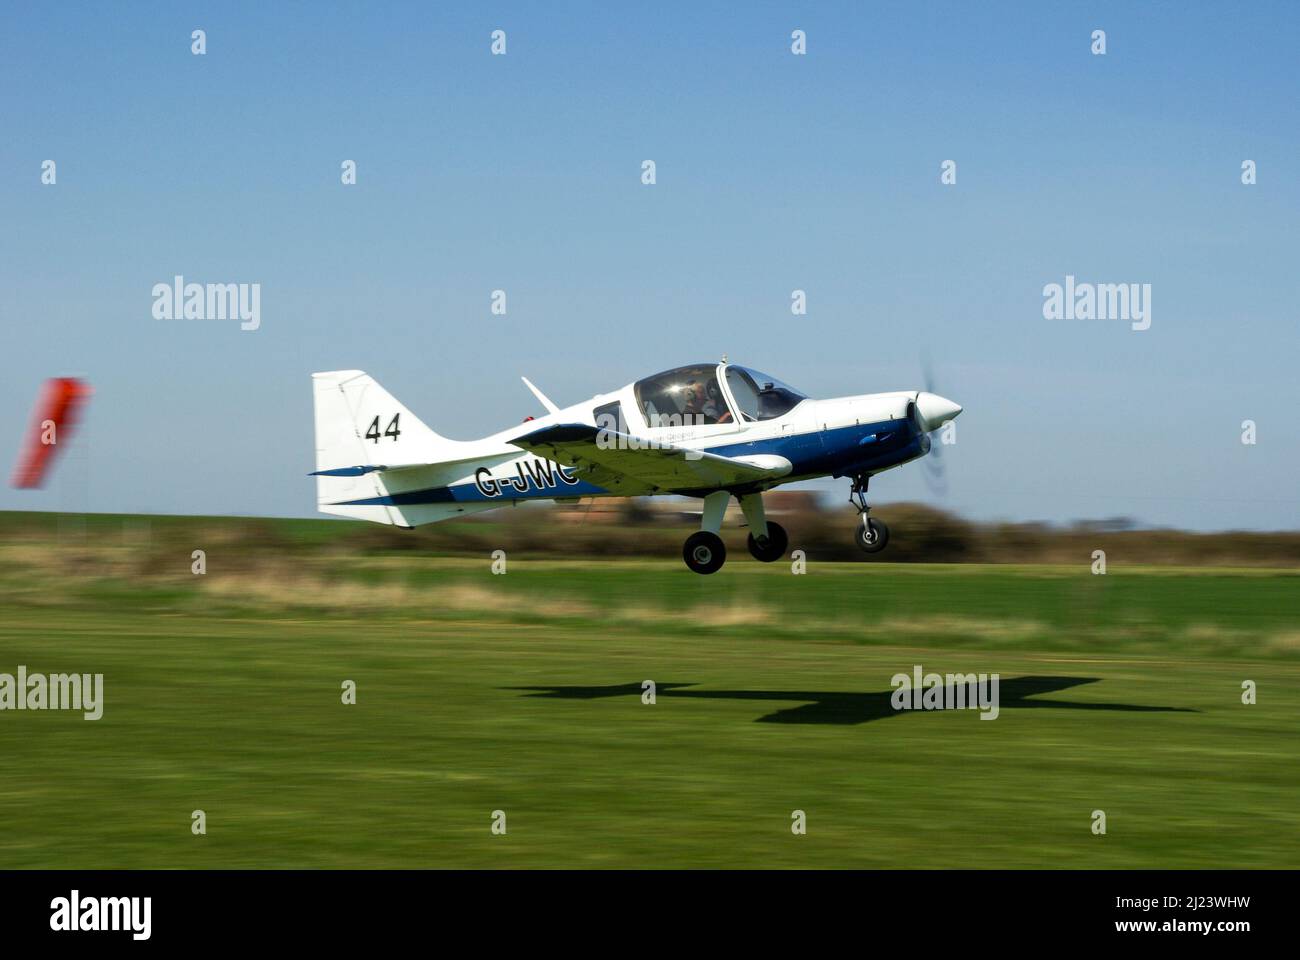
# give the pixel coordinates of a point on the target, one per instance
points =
(223, 694)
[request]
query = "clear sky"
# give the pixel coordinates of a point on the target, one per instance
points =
(775, 172)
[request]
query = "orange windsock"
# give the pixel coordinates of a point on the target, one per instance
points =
(57, 408)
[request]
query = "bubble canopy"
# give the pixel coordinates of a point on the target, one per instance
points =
(692, 395)
(760, 396)
(683, 395)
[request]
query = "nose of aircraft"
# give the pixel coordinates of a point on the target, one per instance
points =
(934, 410)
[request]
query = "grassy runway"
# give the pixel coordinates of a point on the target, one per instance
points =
(522, 693)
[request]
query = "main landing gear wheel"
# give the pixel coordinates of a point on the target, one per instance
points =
(872, 535)
(704, 552)
(772, 547)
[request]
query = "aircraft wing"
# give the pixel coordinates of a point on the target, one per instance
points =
(633, 466)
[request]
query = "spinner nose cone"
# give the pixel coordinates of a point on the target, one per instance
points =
(934, 410)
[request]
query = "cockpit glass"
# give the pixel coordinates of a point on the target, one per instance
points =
(686, 396)
(759, 396)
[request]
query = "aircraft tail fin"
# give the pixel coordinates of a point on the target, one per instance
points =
(361, 431)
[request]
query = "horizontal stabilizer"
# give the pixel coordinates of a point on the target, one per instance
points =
(362, 469)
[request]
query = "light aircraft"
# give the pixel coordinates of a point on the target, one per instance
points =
(706, 430)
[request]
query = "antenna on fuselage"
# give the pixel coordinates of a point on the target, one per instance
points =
(550, 407)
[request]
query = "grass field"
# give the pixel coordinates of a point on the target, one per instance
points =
(522, 693)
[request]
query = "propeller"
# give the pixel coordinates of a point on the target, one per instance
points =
(932, 467)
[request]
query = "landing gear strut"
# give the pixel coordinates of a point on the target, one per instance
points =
(704, 551)
(767, 540)
(872, 535)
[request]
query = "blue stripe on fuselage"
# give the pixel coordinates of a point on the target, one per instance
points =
(833, 452)
(473, 493)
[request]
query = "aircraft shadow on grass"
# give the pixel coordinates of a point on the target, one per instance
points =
(851, 708)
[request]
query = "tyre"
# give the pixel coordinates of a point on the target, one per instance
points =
(873, 537)
(773, 548)
(704, 552)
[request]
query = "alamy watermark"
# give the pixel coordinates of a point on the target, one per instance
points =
(58, 691)
(208, 301)
(953, 691)
(1098, 301)
(612, 433)
(77, 913)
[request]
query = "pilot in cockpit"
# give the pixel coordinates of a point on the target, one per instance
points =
(702, 405)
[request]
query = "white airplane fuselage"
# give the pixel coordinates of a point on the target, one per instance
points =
(856, 436)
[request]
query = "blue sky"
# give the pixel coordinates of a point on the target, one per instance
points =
(775, 173)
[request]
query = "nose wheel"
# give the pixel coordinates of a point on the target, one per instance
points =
(872, 535)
